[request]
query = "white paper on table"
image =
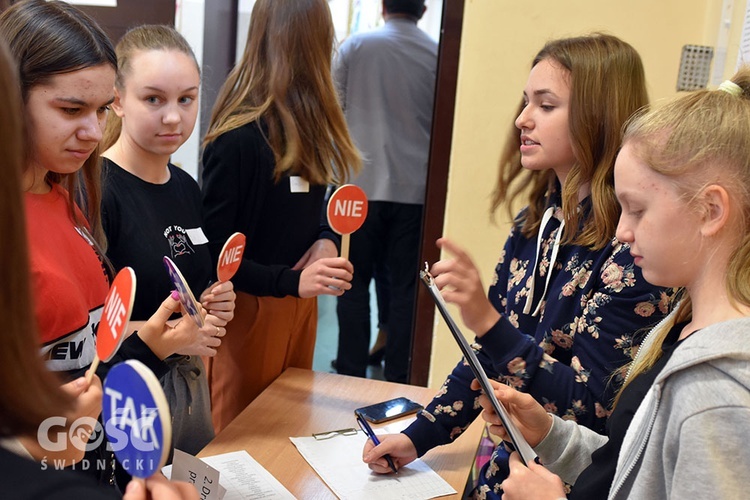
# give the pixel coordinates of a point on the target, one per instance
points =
(338, 461)
(243, 477)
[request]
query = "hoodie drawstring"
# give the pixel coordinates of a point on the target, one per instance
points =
(546, 218)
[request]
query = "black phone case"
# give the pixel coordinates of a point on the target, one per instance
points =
(389, 410)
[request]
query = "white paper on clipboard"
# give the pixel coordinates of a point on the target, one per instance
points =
(519, 442)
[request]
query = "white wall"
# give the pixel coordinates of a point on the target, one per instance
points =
(188, 21)
(498, 43)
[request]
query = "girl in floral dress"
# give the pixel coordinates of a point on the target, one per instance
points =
(566, 303)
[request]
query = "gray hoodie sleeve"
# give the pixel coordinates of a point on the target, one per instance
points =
(567, 449)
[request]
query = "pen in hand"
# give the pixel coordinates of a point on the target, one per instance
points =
(371, 434)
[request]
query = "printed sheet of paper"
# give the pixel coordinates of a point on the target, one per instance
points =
(243, 477)
(338, 461)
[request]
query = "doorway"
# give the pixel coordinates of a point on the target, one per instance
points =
(444, 21)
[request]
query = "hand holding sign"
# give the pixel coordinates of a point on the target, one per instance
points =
(117, 308)
(347, 211)
(136, 418)
(187, 299)
(230, 257)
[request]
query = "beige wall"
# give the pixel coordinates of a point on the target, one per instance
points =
(500, 38)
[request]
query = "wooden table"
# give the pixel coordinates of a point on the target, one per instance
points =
(301, 402)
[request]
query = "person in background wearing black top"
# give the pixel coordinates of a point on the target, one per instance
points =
(29, 393)
(152, 209)
(277, 137)
(682, 178)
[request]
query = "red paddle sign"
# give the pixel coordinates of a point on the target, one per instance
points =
(230, 257)
(347, 209)
(117, 308)
(114, 323)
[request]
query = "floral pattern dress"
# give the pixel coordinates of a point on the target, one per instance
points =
(569, 354)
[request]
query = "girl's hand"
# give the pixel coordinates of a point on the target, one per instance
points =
(533, 481)
(189, 340)
(529, 416)
(329, 276)
(458, 280)
(166, 337)
(88, 397)
(219, 300)
(398, 446)
(87, 405)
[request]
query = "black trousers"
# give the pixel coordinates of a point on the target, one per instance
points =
(389, 239)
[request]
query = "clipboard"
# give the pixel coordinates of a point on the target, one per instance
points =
(519, 442)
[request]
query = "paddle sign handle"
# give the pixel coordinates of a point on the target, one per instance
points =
(92, 369)
(345, 246)
(346, 212)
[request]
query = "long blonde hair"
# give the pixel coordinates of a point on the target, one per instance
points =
(699, 139)
(284, 80)
(607, 85)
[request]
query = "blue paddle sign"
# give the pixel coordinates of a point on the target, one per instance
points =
(136, 418)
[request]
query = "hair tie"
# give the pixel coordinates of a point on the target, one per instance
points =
(730, 87)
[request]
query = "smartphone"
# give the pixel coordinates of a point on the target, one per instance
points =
(388, 410)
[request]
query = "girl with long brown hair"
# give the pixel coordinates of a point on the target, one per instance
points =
(277, 138)
(566, 301)
(30, 392)
(679, 422)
